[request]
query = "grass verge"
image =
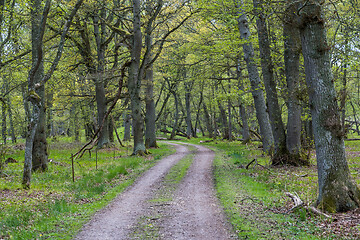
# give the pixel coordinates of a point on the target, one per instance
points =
(255, 202)
(56, 207)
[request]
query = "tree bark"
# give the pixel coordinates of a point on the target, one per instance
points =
(188, 86)
(150, 115)
(337, 190)
(39, 151)
(99, 79)
(256, 90)
(242, 110)
(134, 82)
(127, 125)
(292, 49)
(281, 155)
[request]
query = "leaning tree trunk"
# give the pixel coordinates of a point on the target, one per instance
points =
(39, 151)
(256, 90)
(281, 155)
(337, 190)
(134, 82)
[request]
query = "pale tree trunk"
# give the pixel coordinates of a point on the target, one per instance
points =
(337, 190)
(39, 151)
(256, 90)
(134, 82)
(292, 48)
(281, 155)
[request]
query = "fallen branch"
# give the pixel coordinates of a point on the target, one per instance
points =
(299, 203)
(248, 165)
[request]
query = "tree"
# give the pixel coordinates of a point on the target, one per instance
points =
(337, 190)
(292, 50)
(31, 95)
(257, 92)
(134, 82)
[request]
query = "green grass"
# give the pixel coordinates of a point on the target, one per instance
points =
(56, 207)
(254, 199)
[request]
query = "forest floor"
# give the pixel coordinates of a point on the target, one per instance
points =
(175, 199)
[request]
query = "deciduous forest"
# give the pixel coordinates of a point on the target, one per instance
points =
(96, 94)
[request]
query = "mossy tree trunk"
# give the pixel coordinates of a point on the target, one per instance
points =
(337, 190)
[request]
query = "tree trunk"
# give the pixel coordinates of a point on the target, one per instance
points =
(134, 82)
(292, 47)
(242, 110)
(150, 117)
(256, 90)
(208, 120)
(281, 155)
(39, 151)
(224, 122)
(12, 129)
(176, 116)
(100, 93)
(337, 190)
(127, 125)
(188, 87)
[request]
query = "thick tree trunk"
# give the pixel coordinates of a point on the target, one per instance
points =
(40, 155)
(134, 82)
(337, 190)
(150, 130)
(256, 90)
(100, 93)
(292, 47)
(39, 151)
(150, 117)
(101, 111)
(281, 155)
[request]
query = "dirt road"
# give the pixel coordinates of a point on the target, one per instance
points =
(192, 213)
